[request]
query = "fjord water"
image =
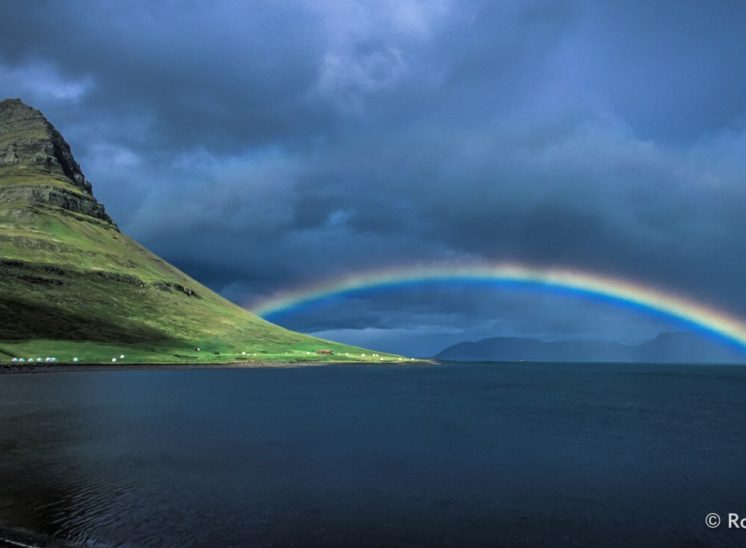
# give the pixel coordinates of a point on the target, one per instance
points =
(452, 455)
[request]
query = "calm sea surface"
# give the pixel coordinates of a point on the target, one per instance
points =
(449, 455)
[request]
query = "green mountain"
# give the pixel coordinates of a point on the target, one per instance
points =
(73, 286)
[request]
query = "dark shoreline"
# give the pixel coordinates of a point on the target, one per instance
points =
(16, 369)
(7, 369)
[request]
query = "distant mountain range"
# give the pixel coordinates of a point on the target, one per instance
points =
(665, 348)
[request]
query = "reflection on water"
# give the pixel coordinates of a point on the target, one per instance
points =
(367, 455)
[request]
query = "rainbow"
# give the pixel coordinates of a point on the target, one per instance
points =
(614, 290)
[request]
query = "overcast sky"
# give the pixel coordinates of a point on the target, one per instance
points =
(261, 146)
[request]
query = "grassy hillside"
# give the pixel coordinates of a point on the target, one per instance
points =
(72, 285)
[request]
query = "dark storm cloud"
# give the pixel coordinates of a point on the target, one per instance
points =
(197, 76)
(672, 70)
(265, 145)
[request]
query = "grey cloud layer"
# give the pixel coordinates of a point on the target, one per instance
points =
(263, 145)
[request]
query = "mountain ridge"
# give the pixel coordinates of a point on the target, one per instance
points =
(677, 347)
(31, 147)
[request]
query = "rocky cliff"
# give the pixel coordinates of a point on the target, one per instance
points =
(38, 166)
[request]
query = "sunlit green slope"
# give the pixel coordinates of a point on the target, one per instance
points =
(72, 285)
